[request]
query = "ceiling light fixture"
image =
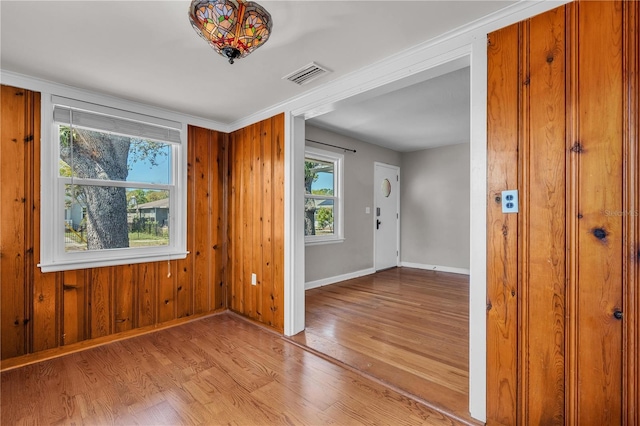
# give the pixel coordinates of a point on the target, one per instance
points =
(233, 28)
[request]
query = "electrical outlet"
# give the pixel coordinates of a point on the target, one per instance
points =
(510, 201)
(254, 279)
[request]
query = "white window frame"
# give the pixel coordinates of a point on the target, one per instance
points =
(53, 256)
(338, 195)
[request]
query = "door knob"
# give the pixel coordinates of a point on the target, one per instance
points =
(617, 314)
(378, 224)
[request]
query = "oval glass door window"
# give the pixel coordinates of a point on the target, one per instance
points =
(386, 188)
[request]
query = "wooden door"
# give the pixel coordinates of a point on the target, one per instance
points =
(562, 309)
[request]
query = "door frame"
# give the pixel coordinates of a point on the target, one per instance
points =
(376, 194)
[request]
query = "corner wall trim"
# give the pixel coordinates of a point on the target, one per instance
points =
(439, 268)
(332, 280)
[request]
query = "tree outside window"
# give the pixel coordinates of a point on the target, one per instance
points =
(99, 156)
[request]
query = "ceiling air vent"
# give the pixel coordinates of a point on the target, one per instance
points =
(306, 74)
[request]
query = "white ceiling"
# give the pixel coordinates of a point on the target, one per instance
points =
(146, 51)
(432, 113)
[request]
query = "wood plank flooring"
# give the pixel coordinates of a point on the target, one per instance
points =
(408, 328)
(217, 370)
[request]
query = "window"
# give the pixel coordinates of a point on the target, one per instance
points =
(323, 204)
(112, 187)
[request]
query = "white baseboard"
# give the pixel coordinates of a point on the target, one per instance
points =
(439, 268)
(332, 280)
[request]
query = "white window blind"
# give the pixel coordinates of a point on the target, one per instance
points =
(111, 120)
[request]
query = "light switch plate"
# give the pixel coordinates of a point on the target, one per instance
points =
(510, 201)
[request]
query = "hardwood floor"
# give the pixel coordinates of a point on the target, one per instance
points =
(407, 328)
(217, 370)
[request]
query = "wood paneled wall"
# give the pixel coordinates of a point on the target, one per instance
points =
(45, 311)
(563, 114)
(256, 221)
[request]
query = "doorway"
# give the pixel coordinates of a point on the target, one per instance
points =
(436, 66)
(430, 195)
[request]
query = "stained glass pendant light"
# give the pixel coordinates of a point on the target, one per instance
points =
(233, 28)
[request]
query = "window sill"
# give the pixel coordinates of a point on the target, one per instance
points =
(323, 241)
(66, 265)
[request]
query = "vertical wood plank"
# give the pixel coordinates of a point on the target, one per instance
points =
(185, 298)
(522, 293)
(599, 201)
(240, 190)
(232, 243)
(147, 294)
(202, 219)
(246, 199)
(502, 256)
(631, 221)
(234, 202)
(15, 137)
(218, 222)
(267, 281)
(573, 214)
(185, 272)
(100, 307)
(184, 291)
(46, 306)
(543, 286)
(277, 306)
(232, 231)
(124, 291)
(47, 288)
(167, 289)
(74, 307)
(256, 221)
(228, 223)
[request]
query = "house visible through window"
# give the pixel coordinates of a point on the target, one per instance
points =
(323, 196)
(113, 190)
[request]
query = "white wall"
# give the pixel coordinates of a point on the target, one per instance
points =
(434, 212)
(353, 256)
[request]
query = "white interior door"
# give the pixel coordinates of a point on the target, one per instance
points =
(386, 215)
